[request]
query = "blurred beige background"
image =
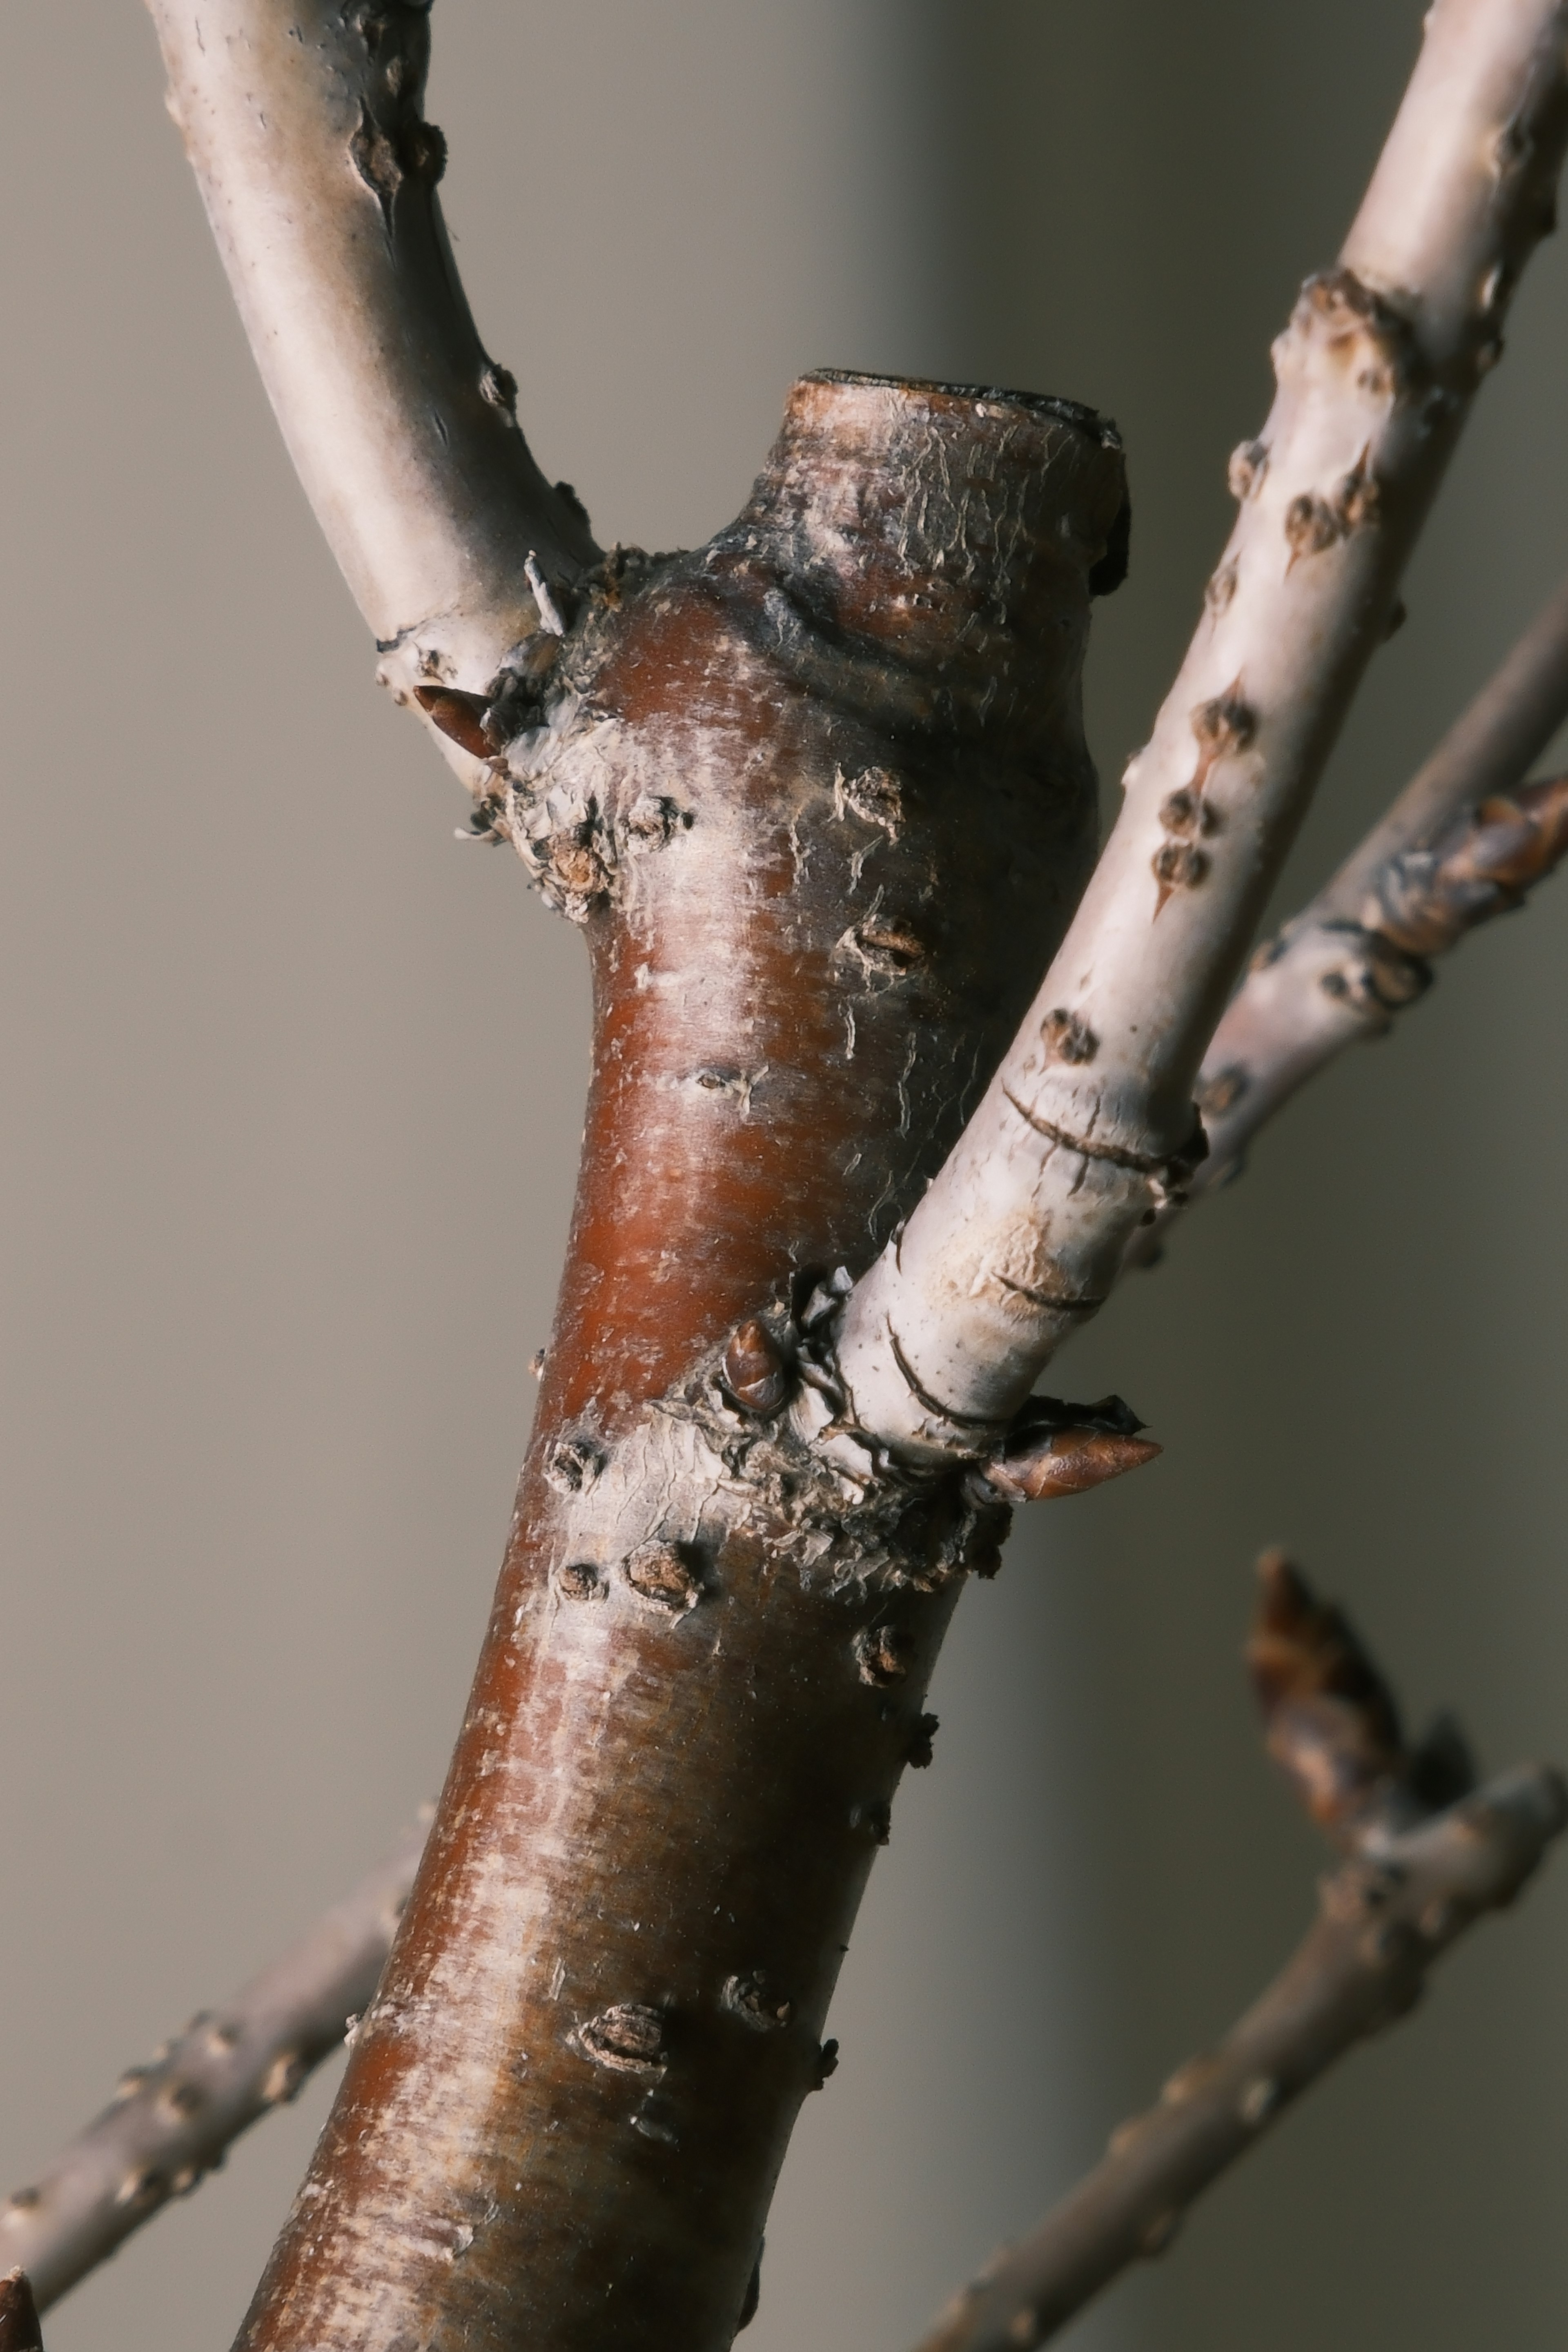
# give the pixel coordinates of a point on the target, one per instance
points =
(292, 1087)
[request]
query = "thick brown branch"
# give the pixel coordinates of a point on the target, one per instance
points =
(1413, 1881)
(172, 2120)
(819, 797)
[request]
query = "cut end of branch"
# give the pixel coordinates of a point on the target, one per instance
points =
(20, 2329)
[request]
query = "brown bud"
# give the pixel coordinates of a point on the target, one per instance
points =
(1248, 464)
(1424, 900)
(754, 1373)
(1330, 1718)
(891, 949)
(1226, 724)
(20, 2329)
(1311, 525)
(1178, 865)
(918, 1751)
(1066, 1462)
(580, 1580)
(459, 715)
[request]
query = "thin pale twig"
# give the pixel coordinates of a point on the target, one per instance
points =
(305, 127)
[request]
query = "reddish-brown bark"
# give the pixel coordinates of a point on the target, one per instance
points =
(820, 793)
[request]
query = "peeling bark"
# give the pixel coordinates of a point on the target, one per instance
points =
(819, 797)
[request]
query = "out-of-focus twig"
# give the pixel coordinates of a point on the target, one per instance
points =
(1490, 748)
(1328, 982)
(1464, 841)
(1425, 1853)
(172, 2118)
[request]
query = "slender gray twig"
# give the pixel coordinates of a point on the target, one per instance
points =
(1459, 845)
(172, 2119)
(1489, 749)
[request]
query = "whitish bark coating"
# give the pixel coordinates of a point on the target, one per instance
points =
(305, 128)
(1088, 1125)
(819, 795)
(172, 2120)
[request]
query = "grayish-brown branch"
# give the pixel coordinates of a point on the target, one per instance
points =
(1425, 1856)
(1462, 843)
(172, 2120)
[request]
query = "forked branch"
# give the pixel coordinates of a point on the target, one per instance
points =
(1426, 1854)
(1282, 1027)
(1088, 1127)
(818, 795)
(1430, 895)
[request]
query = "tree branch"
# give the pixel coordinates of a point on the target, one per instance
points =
(172, 2120)
(305, 128)
(1425, 1856)
(819, 795)
(1461, 843)
(1489, 749)
(1088, 1125)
